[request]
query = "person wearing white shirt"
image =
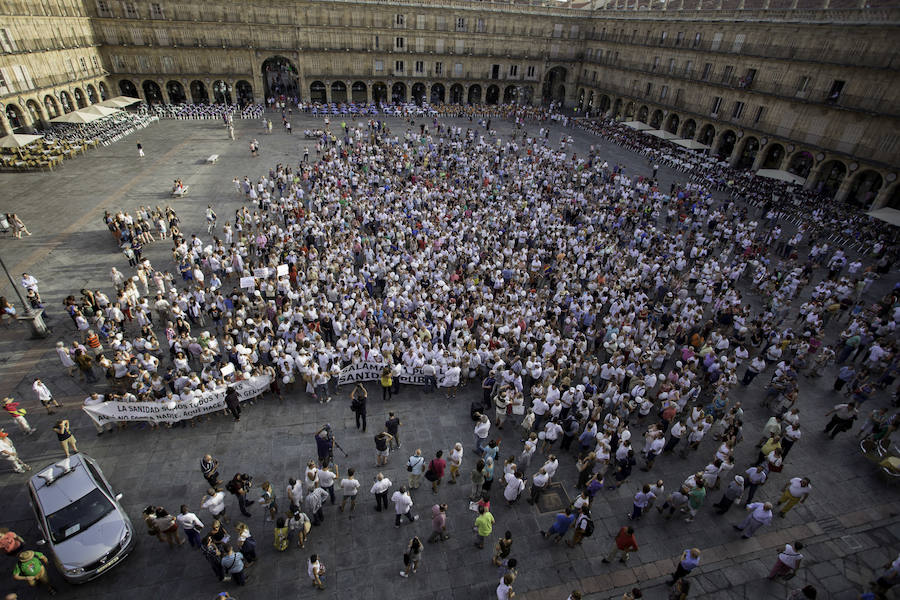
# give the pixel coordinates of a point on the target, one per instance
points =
(403, 506)
(538, 483)
(482, 428)
(380, 489)
(760, 514)
(214, 502)
(788, 561)
(191, 526)
(96, 399)
(43, 394)
(349, 490)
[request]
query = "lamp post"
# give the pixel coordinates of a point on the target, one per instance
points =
(33, 317)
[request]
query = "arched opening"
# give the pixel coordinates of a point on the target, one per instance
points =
(15, 118)
(774, 156)
(280, 77)
(398, 92)
(831, 175)
(80, 100)
(66, 100)
(689, 129)
(707, 135)
(127, 88)
(580, 104)
(91, 93)
(379, 93)
(748, 155)
(51, 106)
(37, 116)
(317, 92)
(152, 93)
(244, 92)
(864, 188)
(492, 96)
(894, 200)
(456, 94)
(199, 95)
(418, 93)
(629, 111)
(656, 119)
(617, 108)
(221, 92)
(643, 113)
(604, 103)
(437, 93)
(801, 163)
(554, 89)
(590, 102)
(527, 96)
(726, 144)
(358, 92)
(474, 94)
(510, 94)
(672, 124)
(175, 91)
(339, 92)
(104, 93)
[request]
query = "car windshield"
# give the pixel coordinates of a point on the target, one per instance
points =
(78, 516)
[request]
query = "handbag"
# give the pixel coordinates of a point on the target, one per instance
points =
(430, 475)
(406, 558)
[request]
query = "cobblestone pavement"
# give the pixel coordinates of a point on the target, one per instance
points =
(850, 524)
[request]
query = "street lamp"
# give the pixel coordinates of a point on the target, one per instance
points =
(33, 317)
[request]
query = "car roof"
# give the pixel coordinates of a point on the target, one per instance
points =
(61, 483)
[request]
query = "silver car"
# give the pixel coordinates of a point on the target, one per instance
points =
(80, 518)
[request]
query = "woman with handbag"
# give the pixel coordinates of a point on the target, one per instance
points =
(316, 571)
(168, 526)
(411, 557)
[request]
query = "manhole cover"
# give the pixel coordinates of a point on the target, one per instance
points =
(852, 542)
(554, 499)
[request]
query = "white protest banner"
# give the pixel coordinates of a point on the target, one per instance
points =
(370, 371)
(262, 272)
(282, 270)
(159, 412)
(248, 283)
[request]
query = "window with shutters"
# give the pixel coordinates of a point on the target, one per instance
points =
(457, 70)
(460, 24)
(136, 37)
(679, 38)
(398, 43)
(663, 92)
(737, 110)
(438, 68)
(399, 20)
(717, 104)
(6, 41)
(513, 70)
(103, 8)
(479, 26)
(707, 69)
(83, 64)
(460, 46)
(420, 44)
(697, 39)
(439, 45)
(168, 64)
(420, 21)
(529, 72)
(759, 113)
(716, 42)
(156, 11)
(130, 10)
(557, 30)
(738, 42)
(162, 37)
(420, 66)
(144, 64)
(379, 66)
(398, 67)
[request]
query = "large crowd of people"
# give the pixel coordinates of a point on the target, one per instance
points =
(609, 318)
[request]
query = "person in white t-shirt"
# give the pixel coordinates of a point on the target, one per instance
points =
(349, 490)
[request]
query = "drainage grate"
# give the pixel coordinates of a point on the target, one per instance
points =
(851, 542)
(829, 524)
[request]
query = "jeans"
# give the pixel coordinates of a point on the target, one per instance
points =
(193, 537)
(407, 514)
(479, 445)
(243, 504)
(361, 415)
(381, 500)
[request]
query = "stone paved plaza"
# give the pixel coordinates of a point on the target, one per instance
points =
(850, 524)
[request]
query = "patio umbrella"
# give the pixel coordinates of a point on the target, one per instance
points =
(781, 175)
(637, 125)
(662, 134)
(78, 117)
(99, 109)
(18, 140)
(119, 102)
(691, 144)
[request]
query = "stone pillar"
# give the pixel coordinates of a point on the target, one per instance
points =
(760, 157)
(327, 91)
(735, 153)
(884, 194)
(4, 122)
(27, 121)
(369, 85)
(813, 176)
(844, 188)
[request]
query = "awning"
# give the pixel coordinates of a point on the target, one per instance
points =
(19, 140)
(77, 117)
(691, 144)
(99, 109)
(781, 176)
(888, 215)
(661, 133)
(637, 125)
(119, 102)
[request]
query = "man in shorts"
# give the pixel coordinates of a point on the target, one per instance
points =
(31, 568)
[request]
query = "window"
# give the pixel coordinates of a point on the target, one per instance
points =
(664, 92)
(737, 110)
(119, 63)
(103, 8)
(440, 23)
(460, 24)
(759, 113)
(557, 30)
(802, 84)
(420, 44)
(6, 41)
(726, 74)
(439, 45)
(834, 94)
(457, 70)
(573, 32)
(156, 11)
(398, 43)
(679, 37)
(398, 67)
(716, 42)
(420, 66)
(162, 37)
(603, 34)
(130, 11)
(377, 43)
(738, 42)
(696, 40)
(594, 76)
(168, 64)
(495, 71)
(671, 66)
(460, 46)
(144, 64)
(83, 64)
(513, 70)
(479, 25)
(662, 37)
(379, 66)
(438, 68)
(717, 104)
(633, 35)
(136, 37)
(707, 68)
(420, 21)
(95, 63)
(4, 87)
(655, 63)
(529, 72)
(649, 89)
(399, 20)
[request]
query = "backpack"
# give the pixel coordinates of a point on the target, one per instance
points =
(232, 486)
(589, 528)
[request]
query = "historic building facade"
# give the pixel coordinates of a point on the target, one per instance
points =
(781, 84)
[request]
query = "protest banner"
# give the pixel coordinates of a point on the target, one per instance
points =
(163, 412)
(371, 371)
(248, 283)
